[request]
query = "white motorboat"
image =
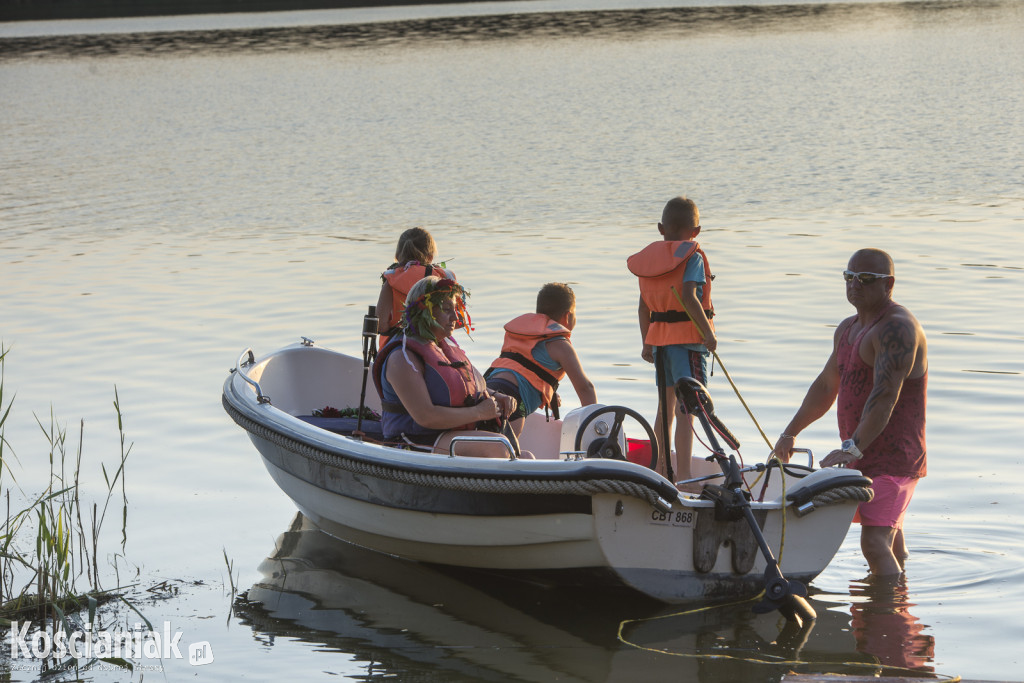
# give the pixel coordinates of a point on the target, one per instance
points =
(562, 517)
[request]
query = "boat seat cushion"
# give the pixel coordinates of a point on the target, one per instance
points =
(346, 425)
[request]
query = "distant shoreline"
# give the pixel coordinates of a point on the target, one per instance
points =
(44, 10)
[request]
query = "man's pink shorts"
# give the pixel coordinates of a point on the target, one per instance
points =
(892, 498)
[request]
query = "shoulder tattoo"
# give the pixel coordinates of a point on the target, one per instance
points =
(896, 347)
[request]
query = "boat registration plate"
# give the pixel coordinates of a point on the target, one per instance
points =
(678, 518)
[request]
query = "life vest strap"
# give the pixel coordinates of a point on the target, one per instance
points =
(532, 366)
(676, 316)
(396, 408)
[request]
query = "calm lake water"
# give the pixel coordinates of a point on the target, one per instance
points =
(169, 198)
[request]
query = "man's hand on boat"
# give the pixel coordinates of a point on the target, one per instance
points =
(839, 457)
(785, 445)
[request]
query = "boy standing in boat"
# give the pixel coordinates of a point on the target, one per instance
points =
(675, 314)
(878, 373)
(537, 354)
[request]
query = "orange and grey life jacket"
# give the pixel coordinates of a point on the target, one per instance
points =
(401, 279)
(522, 334)
(450, 378)
(660, 267)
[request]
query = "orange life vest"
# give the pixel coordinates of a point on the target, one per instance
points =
(660, 267)
(522, 334)
(401, 279)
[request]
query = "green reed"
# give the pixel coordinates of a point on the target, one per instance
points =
(49, 555)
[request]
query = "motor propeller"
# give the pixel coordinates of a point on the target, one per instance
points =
(787, 596)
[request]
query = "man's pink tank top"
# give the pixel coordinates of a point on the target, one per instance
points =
(900, 449)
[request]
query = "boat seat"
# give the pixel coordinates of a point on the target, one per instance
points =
(346, 425)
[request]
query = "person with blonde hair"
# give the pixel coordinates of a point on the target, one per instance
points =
(414, 260)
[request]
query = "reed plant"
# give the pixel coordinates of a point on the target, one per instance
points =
(50, 547)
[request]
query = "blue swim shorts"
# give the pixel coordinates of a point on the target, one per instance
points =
(683, 360)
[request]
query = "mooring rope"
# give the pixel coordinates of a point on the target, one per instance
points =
(819, 664)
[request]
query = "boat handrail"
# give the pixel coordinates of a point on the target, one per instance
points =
(260, 396)
(810, 456)
(483, 439)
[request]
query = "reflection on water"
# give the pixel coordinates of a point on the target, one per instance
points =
(885, 628)
(406, 619)
(659, 22)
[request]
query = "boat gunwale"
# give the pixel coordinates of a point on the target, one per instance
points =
(290, 427)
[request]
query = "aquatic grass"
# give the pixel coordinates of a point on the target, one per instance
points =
(58, 573)
(231, 573)
(4, 412)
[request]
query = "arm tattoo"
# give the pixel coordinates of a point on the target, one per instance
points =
(895, 360)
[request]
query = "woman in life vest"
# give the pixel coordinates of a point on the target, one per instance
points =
(430, 392)
(414, 260)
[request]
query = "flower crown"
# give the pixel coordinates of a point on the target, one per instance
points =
(419, 315)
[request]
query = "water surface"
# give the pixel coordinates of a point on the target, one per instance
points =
(169, 198)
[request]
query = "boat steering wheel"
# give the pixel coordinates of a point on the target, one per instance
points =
(607, 446)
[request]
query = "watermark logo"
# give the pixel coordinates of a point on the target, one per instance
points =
(200, 653)
(85, 643)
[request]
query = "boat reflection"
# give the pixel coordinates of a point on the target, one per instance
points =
(885, 629)
(409, 620)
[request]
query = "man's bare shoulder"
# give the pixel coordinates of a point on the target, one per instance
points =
(900, 318)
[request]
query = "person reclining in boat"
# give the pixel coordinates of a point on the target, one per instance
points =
(430, 392)
(537, 355)
(414, 260)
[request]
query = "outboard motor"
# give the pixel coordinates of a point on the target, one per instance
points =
(732, 502)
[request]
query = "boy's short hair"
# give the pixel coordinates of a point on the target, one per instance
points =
(555, 299)
(415, 244)
(680, 213)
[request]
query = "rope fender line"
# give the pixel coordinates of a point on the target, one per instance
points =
(441, 480)
(841, 494)
(494, 485)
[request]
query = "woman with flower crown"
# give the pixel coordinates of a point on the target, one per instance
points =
(430, 392)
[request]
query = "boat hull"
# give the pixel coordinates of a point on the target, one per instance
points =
(569, 521)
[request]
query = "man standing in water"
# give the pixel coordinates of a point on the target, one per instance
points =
(878, 371)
